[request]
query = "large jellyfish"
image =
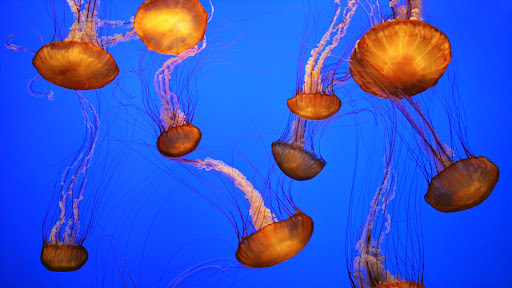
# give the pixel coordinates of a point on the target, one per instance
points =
(314, 100)
(80, 62)
(170, 26)
(400, 58)
(62, 241)
(272, 235)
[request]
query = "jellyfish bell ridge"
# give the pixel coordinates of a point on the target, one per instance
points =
(179, 140)
(317, 106)
(276, 242)
(295, 161)
(462, 185)
(76, 65)
(63, 257)
(171, 26)
(400, 58)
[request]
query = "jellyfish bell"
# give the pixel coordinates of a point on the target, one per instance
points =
(76, 65)
(63, 257)
(401, 57)
(171, 26)
(463, 185)
(296, 162)
(178, 141)
(317, 106)
(276, 242)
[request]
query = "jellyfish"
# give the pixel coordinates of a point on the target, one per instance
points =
(314, 100)
(63, 249)
(269, 238)
(169, 26)
(80, 62)
(399, 59)
(178, 136)
(291, 155)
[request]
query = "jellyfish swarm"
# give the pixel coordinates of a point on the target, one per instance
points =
(315, 99)
(400, 58)
(171, 26)
(178, 137)
(273, 241)
(80, 62)
(62, 243)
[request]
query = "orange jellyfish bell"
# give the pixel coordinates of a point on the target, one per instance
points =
(63, 257)
(171, 26)
(295, 161)
(276, 242)
(76, 65)
(317, 106)
(401, 284)
(400, 58)
(178, 141)
(463, 185)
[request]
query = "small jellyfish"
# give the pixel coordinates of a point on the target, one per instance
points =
(315, 99)
(62, 244)
(171, 26)
(265, 240)
(80, 61)
(291, 155)
(400, 58)
(178, 137)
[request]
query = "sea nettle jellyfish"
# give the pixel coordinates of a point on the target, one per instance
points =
(273, 234)
(63, 230)
(178, 137)
(314, 100)
(80, 62)
(171, 26)
(400, 58)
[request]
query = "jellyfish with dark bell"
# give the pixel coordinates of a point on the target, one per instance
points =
(400, 58)
(291, 155)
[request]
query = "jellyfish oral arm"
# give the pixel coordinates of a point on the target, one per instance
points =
(81, 163)
(86, 23)
(312, 77)
(170, 113)
(369, 268)
(261, 215)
